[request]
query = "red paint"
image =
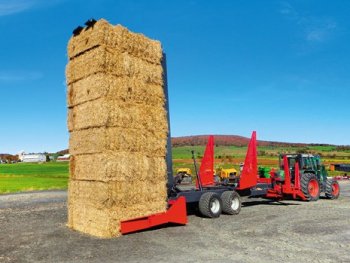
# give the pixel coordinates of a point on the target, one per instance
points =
(249, 176)
(265, 180)
(287, 182)
(313, 187)
(206, 170)
(335, 189)
(177, 214)
(296, 180)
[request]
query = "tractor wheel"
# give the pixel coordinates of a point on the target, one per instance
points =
(210, 205)
(310, 187)
(231, 202)
(332, 189)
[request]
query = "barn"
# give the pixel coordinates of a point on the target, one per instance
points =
(64, 158)
(33, 158)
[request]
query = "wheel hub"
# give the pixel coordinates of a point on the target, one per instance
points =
(215, 206)
(313, 188)
(235, 203)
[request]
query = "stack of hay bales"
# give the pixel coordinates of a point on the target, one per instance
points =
(118, 128)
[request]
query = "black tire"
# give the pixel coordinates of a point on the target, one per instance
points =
(231, 202)
(210, 205)
(332, 189)
(310, 186)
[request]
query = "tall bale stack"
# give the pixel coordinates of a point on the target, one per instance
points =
(118, 128)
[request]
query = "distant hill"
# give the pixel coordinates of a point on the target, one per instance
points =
(63, 152)
(224, 140)
(230, 140)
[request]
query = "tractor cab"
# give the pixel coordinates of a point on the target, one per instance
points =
(308, 163)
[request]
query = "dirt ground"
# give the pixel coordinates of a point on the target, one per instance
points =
(33, 230)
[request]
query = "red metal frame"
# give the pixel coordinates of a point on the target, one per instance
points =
(206, 170)
(176, 214)
(249, 176)
(286, 187)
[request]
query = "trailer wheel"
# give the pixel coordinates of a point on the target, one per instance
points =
(332, 189)
(231, 202)
(210, 205)
(310, 187)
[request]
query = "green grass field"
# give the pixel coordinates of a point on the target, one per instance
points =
(28, 177)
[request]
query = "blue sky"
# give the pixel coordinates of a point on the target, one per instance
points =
(278, 67)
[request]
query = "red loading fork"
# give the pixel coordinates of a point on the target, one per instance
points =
(176, 214)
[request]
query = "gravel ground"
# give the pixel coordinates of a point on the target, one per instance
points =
(33, 230)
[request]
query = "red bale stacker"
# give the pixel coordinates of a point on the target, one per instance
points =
(302, 177)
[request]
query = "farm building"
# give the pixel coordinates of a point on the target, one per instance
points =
(63, 158)
(32, 158)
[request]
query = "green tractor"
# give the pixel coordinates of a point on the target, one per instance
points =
(314, 178)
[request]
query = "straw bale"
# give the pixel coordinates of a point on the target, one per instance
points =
(116, 37)
(128, 89)
(113, 113)
(105, 223)
(105, 60)
(97, 208)
(118, 129)
(135, 44)
(114, 195)
(89, 38)
(99, 140)
(91, 220)
(117, 167)
(87, 89)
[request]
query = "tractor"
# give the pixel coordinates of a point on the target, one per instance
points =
(226, 176)
(183, 176)
(312, 175)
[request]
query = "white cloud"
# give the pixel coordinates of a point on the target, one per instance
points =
(21, 75)
(314, 29)
(10, 7)
(287, 9)
(320, 30)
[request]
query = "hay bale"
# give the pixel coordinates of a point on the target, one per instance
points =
(128, 89)
(100, 140)
(118, 129)
(89, 38)
(88, 219)
(97, 208)
(122, 167)
(105, 223)
(114, 195)
(135, 44)
(115, 113)
(118, 38)
(106, 60)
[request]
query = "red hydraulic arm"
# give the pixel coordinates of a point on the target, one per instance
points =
(287, 179)
(249, 175)
(177, 214)
(206, 170)
(288, 188)
(297, 182)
